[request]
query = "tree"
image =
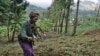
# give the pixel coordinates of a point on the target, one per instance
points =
(11, 13)
(67, 15)
(76, 18)
(5, 14)
(19, 7)
(97, 15)
(63, 16)
(58, 11)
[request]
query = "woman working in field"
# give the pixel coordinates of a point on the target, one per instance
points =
(25, 38)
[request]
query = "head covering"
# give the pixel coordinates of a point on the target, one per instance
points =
(32, 14)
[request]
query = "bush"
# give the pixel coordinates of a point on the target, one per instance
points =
(3, 31)
(45, 24)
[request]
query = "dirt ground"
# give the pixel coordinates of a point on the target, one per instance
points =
(56, 45)
(93, 32)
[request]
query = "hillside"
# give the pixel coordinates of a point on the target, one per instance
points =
(35, 9)
(86, 7)
(62, 46)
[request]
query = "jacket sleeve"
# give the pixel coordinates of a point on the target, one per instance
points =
(35, 33)
(23, 31)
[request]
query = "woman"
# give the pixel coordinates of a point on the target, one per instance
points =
(25, 37)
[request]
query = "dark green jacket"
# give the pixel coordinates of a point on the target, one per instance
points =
(26, 30)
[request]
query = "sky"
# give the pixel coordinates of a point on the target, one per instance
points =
(41, 3)
(47, 3)
(87, 0)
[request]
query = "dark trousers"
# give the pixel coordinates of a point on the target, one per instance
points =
(27, 48)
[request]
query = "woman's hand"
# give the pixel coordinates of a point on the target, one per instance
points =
(29, 38)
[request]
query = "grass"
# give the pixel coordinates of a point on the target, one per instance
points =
(70, 46)
(62, 46)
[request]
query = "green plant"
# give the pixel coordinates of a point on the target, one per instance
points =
(45, 24)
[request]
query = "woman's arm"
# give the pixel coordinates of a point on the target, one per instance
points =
(23, 31)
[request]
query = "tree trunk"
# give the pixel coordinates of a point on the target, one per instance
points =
(55, 26)
(59, 21)
(67, 16)
(76, 18)
(8, 29)
(16, 18)
(58, 25)
(97, 15)
(13, 35)
(61, 25)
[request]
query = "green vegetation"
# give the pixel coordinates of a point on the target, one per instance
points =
(62, 46)
(45, 24)
(71, 30)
